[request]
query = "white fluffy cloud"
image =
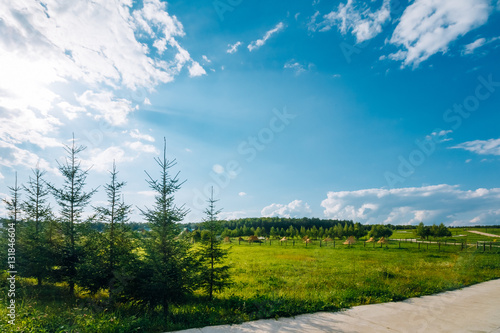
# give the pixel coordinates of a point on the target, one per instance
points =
(430, 204)
(260, 42)
(102, 160)
(102, 49)
(136, 134)
(481, 147)
(429, 26)
(296, 208)
(354, 17)
(141, 147)
(113, 110)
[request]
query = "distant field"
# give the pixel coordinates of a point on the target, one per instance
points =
(458, 235)
(273, 281)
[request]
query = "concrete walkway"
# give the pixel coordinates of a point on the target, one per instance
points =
(472, 309)
(483, 233)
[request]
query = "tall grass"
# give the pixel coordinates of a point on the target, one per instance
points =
(269, 281)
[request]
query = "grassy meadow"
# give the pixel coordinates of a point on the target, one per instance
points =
(271, 281)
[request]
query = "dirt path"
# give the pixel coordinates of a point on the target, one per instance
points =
(484, 233)
(472, 309)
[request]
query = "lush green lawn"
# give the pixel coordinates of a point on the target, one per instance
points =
(271, 281)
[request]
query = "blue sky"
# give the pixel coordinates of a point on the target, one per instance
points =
(378, 112)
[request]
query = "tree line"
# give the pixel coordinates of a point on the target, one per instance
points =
(151, 265)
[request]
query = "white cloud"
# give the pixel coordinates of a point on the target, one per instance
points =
(71, 111)
(147, 101)
(469, 48)
(2, 176)
(478, 43)
(102, 160)
(232, 215)
(136, 134)
(242, 194)
(260, 42)
(12, 156)
(141, 147)
(96, 45)
(355, 18)
(113, 110)
(205, 58)
(233, 48)
(481, 147)
(430, 204)
(296, 208)
(196, 70)
(430, 26)
(297, 67)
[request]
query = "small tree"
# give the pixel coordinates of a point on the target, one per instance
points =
(36, 251)
(213, 275)
(166, 276)
(72, 200)
(423, 231)
(113, 246)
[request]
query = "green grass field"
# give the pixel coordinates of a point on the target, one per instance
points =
(270, 281)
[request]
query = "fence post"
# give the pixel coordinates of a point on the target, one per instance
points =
(419, 246)
(484, 246)
(427, 245)
(399, 244)
(439, 246)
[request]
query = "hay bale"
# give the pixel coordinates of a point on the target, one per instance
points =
(227, 240)
(383, 240)
(328, 239)
(284, 239)
(350, 241)
(371, 240)
(254, 239)
(307, 241)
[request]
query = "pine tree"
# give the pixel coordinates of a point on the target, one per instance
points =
(72, 200)
(36, 250)
(214, 276)
(113, 246)
(166, 277)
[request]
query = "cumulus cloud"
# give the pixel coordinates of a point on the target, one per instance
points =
(354, 17)
(481, 147)
(12, 156)
(260, 42)
(136, 134)
(242, 194)
(233, 48)
(430, 204)
(232, 215)
(430, 26)
(141, 147)
(296, 208)
(102, 160)
(113, 110)
(96, 45)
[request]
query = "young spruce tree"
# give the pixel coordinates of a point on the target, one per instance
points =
(166, 277)
(213, 274)
(36, 250)
(113, 247)
(72, 200)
